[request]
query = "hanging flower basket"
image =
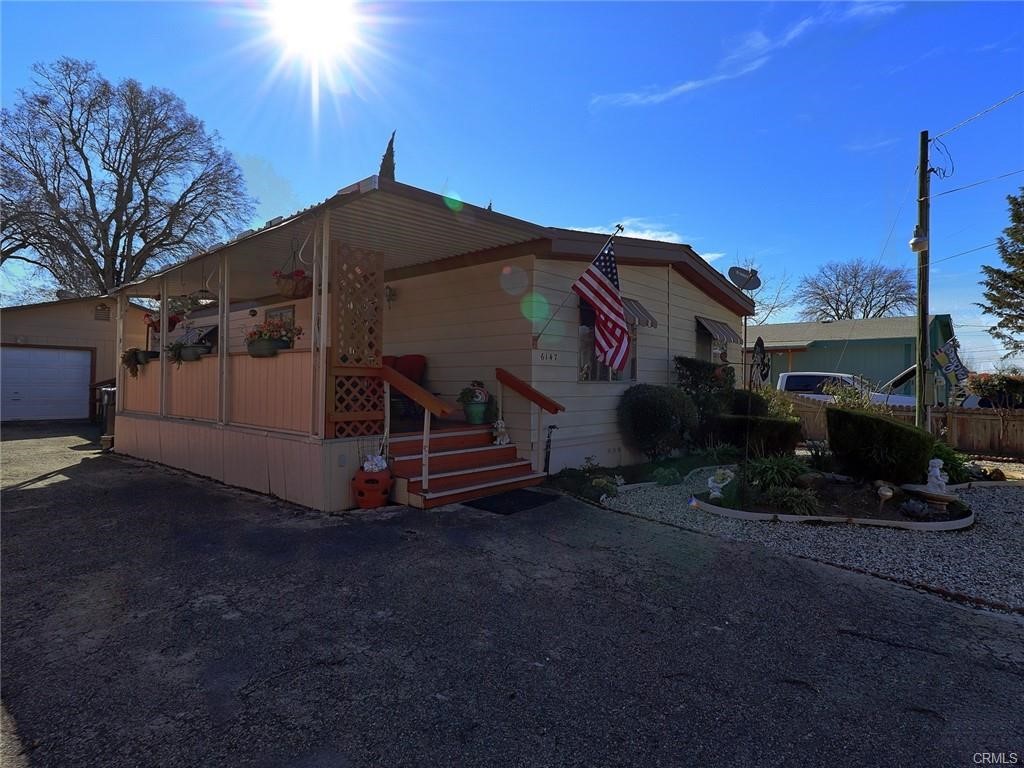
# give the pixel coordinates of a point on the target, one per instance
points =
(294, 285)
(265, 339)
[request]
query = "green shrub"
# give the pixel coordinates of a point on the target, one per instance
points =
(876, 447)
(763, 435)
(667, 476)
(779, 406)
(708, 384)
(656, 420)
(792, 501)
(954, 463)
(746, 403)
(773, 471)
(820, 456)
(719, 453)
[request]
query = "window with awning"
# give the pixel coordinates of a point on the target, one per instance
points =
(719, 331)
(637, 314)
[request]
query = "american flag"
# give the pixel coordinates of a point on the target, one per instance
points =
(599, 287)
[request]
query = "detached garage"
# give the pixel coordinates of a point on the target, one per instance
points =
(52, 353)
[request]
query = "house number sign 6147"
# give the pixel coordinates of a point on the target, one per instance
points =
(548, 357)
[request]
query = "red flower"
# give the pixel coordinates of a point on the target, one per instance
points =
(299, 273)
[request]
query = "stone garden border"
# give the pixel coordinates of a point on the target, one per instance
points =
(910, 525)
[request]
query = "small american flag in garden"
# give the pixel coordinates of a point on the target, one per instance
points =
(599, 287)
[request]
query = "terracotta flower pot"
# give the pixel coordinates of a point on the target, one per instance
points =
(371, 489)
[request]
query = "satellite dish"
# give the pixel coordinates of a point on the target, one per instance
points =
(745, 279)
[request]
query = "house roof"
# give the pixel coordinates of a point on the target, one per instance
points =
(55, 302)
(802, 335)
(408, 225)
(413, 227)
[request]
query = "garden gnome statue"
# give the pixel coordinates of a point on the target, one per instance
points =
(501, 433)
(936, 477)
(717, 481)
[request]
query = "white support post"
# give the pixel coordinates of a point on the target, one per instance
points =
(314, 345)
(426, 450)
(223, 339)
(325, 316)
(163, 343)
(387, 411)
(119, 380)
(537, 458)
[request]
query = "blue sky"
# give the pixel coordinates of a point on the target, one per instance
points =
(785, 133)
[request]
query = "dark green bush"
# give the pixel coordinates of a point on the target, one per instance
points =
(792, 501)
(746, 403)
(875, 447)
(954, 463)
(773, 471)
(709, 384)
(667, 476)
(763, 435)
(655, 420)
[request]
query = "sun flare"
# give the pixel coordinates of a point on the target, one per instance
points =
(323, 33)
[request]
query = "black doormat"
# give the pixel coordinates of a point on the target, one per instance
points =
(508, 502)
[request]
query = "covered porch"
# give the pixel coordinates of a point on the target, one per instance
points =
(297, 424)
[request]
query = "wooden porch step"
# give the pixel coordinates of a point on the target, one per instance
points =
(449, 439)
(469, 493)
(444, 481)
(447, 461)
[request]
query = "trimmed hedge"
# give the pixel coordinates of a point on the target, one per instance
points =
(656, 420)
(764, 435)
(875, 447)
(709, 384)
(746, 403)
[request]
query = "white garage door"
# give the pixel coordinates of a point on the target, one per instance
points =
(44, 383)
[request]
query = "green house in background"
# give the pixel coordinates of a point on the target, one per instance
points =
(878, 349)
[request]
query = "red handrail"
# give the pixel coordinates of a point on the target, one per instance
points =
(520, 387)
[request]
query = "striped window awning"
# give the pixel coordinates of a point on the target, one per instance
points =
(637, 313)
(719, 331)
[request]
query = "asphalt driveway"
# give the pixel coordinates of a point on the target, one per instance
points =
(152, 618)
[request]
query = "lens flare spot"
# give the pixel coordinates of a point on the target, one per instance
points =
(453, 201)
(535, 307)
(514, 280)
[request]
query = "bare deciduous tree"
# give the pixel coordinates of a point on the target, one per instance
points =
(855, 289)
(102, 183)
(772, 297)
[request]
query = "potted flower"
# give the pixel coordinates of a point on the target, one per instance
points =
(266, 338)
(474, 400)
(132, 358)
(294, 284)
(179, 352)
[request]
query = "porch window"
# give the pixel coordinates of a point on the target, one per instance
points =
(589, 367)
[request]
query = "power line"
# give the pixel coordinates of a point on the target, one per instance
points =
(975, 184)
(972, 118)
(972, 250)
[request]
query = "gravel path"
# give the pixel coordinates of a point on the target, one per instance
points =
(983, 561)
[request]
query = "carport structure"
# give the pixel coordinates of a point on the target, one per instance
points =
(295, 425)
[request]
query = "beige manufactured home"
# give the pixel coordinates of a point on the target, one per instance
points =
(399, 271)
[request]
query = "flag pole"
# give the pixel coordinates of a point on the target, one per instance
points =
(536, 339)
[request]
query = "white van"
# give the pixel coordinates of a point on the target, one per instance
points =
(811, 384)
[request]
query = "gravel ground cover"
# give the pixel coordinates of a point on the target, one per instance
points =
(982, 562)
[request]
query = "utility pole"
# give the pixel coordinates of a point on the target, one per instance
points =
(921, 235)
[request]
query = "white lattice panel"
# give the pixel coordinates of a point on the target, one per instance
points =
(357, 292)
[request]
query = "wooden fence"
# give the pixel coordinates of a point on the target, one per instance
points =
(977, 430)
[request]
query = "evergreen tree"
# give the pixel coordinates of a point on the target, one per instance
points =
(1004, 288)
(387, 163)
